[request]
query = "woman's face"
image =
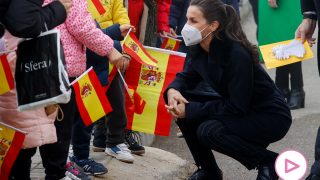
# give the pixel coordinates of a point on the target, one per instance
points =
(196, 19)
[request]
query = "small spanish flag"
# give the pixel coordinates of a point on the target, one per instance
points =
(135, 49)
(11, 141)
(170, 43)
(6, 77)
(95, 8)
(91, 99)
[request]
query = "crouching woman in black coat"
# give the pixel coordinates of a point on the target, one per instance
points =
(250, 112)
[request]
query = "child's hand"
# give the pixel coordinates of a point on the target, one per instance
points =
(125, 28)
(172, 33)
(123, 64)
(114, 56)
(67, 4)
(120, 61)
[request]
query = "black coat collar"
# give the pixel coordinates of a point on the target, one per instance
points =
(211, 66)
(219, 50)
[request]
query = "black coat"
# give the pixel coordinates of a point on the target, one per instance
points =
(314, 6)
(247, 92)
(27, 18)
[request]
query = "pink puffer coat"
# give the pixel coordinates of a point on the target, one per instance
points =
(36, 123)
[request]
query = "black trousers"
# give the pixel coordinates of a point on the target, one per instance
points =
(295, 72)
(244, 138)
(54, 156)
(22, 165)
(110, 130)
(254, 4)
(315, 169)
(81, 136)
(214, 135)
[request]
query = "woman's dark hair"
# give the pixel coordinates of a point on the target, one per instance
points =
(215, 10)
(1, 30)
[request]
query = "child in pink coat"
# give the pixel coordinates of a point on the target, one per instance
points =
(38, 124)
(78, 32)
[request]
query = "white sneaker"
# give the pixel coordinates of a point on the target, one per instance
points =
(66, 178)
(120, 152)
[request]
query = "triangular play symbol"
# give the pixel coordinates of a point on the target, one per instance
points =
(290, 166)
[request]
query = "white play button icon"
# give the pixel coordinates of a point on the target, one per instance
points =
(291, 165)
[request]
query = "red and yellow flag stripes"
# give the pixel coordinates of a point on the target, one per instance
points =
(90, 97)
(6, 77)
(170, 43)
(134, 102)
(135, 49)
(95, 8)
(11, 141)
(150, 82)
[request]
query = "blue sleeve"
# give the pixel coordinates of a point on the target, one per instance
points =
(113, 32)
(175, 13)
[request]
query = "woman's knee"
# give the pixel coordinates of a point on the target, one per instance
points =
(210, 131)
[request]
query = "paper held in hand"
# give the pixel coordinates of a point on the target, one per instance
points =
(285, 52)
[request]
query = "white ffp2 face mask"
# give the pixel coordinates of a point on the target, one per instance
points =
(191, 35)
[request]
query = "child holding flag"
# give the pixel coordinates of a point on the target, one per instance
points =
(39, 123)
(77, 33)
(109, 132)
(117, 22)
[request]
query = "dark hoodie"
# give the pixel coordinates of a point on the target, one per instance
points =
(27, 18)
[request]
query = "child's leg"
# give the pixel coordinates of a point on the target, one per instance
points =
(117, 119)
(54, 156)
(22, 165)
(116, 123)
(99, 133)
(81, 136)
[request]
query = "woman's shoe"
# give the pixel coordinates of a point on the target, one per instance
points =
(267, 172)
(201, 174)
(313, 177)
(286, 93)
(297, 99)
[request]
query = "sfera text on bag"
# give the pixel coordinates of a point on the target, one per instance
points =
(31, 66)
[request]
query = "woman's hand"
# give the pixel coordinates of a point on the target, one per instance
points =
(176, 103)
(181, 108)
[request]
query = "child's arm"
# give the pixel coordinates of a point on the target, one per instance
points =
(119, 13)
(163, 15)
(81, 25)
